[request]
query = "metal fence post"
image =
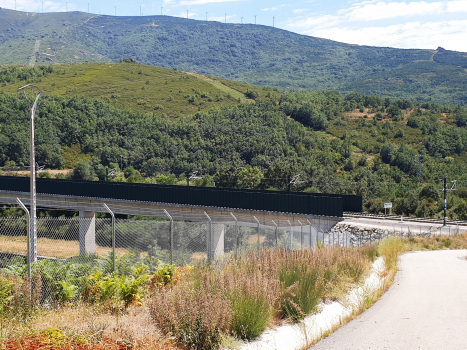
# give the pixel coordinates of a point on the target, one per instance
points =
(236, 234)
(275, 232)
(28, 239)
(257, 231)
(113, 236)
(28, 235)
(311, 243)
(291, 235)
(209, 237)
(301, 234)
(171, 236)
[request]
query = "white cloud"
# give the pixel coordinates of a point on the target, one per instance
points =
(448, 34)
(298, 11)
(306, 24)
(456, 6)
(220, 18)
(36, 6)
(189, 15)
(393, 23)
(383, 10)
(272, 8)
(204, 2)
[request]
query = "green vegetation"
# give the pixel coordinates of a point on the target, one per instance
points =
(385, 150)
(252, 53)
(143, 89)
(390, 249)
(437, 242)
(197, 306)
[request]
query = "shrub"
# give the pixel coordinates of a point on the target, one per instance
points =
(197, 319)
(251, 94)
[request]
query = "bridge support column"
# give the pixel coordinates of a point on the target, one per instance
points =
(217, 241)
(87, 232)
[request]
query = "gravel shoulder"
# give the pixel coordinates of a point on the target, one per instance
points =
(426, 308)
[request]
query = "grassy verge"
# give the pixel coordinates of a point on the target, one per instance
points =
(147, 304)
(259, 290)
(151, 305)
(437, 243)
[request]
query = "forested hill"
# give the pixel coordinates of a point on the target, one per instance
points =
(252, 53)
(386, 150)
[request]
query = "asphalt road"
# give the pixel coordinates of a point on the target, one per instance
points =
(425, 308)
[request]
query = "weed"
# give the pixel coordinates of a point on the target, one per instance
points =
(302, 290)
(196, 318)
(390, 249)
(370, 251)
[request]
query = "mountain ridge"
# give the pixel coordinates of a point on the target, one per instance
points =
(255, 54)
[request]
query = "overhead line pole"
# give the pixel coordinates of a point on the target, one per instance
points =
(32, 160)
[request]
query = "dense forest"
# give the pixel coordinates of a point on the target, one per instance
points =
(383, 149)
(255, 54)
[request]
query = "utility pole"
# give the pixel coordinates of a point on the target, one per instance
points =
(115, 11)
(32, 164)
(255, 19)
(225, 18)
(273, 19)
(206, 16)
(186, 14)
(446, 190)
(161, 11)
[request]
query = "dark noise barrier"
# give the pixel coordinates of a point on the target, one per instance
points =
(277, 201)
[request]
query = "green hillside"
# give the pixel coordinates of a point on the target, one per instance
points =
(131, 85)
(252, 53)
(384, 149)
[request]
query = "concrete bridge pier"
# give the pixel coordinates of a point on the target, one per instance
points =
(87, 233)
(216, 242)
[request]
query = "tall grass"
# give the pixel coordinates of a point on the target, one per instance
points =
(390, 249)
(302, 290)
(256, 290)
(196, 318)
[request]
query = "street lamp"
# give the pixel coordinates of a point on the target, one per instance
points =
(32, 219)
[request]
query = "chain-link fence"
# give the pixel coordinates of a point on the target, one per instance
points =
(360, 236)
(69, 249)
(180, 242)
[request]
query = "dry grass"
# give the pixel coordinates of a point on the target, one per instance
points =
(437, 243)
(254, 239)
(133, 329)
(238, 297)
(57, 248)
(260, 289)
(390, 249)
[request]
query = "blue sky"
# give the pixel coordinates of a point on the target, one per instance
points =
(403, 24)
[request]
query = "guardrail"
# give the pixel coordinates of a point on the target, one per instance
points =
(403, 218)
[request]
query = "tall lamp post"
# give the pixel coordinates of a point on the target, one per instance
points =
(32, 213)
